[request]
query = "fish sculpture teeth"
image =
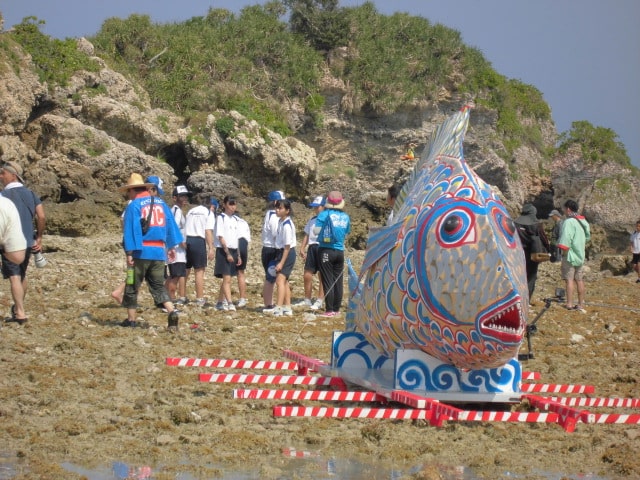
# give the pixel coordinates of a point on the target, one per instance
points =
(447, 277)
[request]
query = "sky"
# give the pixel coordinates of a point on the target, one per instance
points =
(583, 55)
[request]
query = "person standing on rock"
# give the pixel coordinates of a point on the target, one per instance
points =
(556, 254)
(226, 243)
(528, 227)
(575, 233)
(285, 257)
(12, 242)
(150, 235)
(309, 253)
(244, 238)
(268, 254)
(635, 250)
(332, 227)
(176, 281)
(200, 224)
(29, 208)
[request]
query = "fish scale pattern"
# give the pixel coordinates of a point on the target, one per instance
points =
(448, 277)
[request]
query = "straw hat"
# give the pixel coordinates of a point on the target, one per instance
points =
(335, 200)
(135, 181)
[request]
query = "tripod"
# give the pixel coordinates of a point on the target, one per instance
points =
(532, 328)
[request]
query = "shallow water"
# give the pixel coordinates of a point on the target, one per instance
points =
(297, 464)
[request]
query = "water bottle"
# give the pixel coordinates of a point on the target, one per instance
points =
(131, 277)
(39, 259)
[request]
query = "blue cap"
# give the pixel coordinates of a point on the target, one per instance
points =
(214, 202)
(276, 195)
(318, 202)
(157, 182)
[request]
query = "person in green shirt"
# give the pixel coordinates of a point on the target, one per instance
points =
(573, 238)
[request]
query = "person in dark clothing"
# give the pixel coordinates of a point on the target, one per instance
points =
(528, 226)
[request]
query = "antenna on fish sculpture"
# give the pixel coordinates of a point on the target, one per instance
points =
(441, 298)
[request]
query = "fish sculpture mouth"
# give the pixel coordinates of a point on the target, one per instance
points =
(506, 323)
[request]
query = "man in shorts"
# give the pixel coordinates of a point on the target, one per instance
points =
(200, 223)
(29, 207)
(12, 242)
(573, 238)
(177, 267)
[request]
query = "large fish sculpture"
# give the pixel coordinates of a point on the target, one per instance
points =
(447, 277)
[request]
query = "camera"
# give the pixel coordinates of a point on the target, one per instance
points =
(39, 259)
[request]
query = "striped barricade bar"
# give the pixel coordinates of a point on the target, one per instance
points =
(327, 395)
(330, 412)
(633, 418)
(271, 379)
(556, 388)
(531, 375)
(526, 417)
(305, 363)
(292, 452)
(567, 416)
(226, 363)
(597, 402)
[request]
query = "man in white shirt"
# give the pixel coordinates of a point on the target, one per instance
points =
(12, 241)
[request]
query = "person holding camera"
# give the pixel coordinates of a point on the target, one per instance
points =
(29, 208)
(529, 227)
(575, 233)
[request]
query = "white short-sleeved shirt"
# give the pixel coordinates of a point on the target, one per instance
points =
(198, 220)
(286, 233)
(227, 228)
(178, 216)
(269, 229)
(308, 229)
(243, 229)
(635, 242)
(11, 236)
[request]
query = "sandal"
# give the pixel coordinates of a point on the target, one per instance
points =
(573, 307)
(19, 321)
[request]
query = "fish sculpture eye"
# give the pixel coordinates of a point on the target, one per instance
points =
(506, 225)
(452, 224)
(456, 228)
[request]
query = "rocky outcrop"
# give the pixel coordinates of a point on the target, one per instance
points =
(79, 143)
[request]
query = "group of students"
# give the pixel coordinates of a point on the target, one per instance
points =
(322, 250)
(163, 244)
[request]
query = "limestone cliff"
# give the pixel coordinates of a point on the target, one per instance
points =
(78, 143)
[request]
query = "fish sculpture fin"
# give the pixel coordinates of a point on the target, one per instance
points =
(447, 140)
(380, 242)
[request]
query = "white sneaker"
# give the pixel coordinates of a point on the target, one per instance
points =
(269, 309)
(242, 302)
(317, 305)
(200, 302)
(277, 312)
(287, 311)
(222, 306)
(303, 303)
(231, 307)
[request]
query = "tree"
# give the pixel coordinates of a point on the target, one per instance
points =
(598, 144)
(321, 22)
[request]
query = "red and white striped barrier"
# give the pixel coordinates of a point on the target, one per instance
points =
(556, 388)
(327, 395)
(224, 363)
(598, 402)
(554, 409)
(271, 379)
(291, 452)
(330, 412)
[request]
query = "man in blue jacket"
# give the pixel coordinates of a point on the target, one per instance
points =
(150, 234)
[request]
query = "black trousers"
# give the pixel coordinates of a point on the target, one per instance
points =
(331, 271)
